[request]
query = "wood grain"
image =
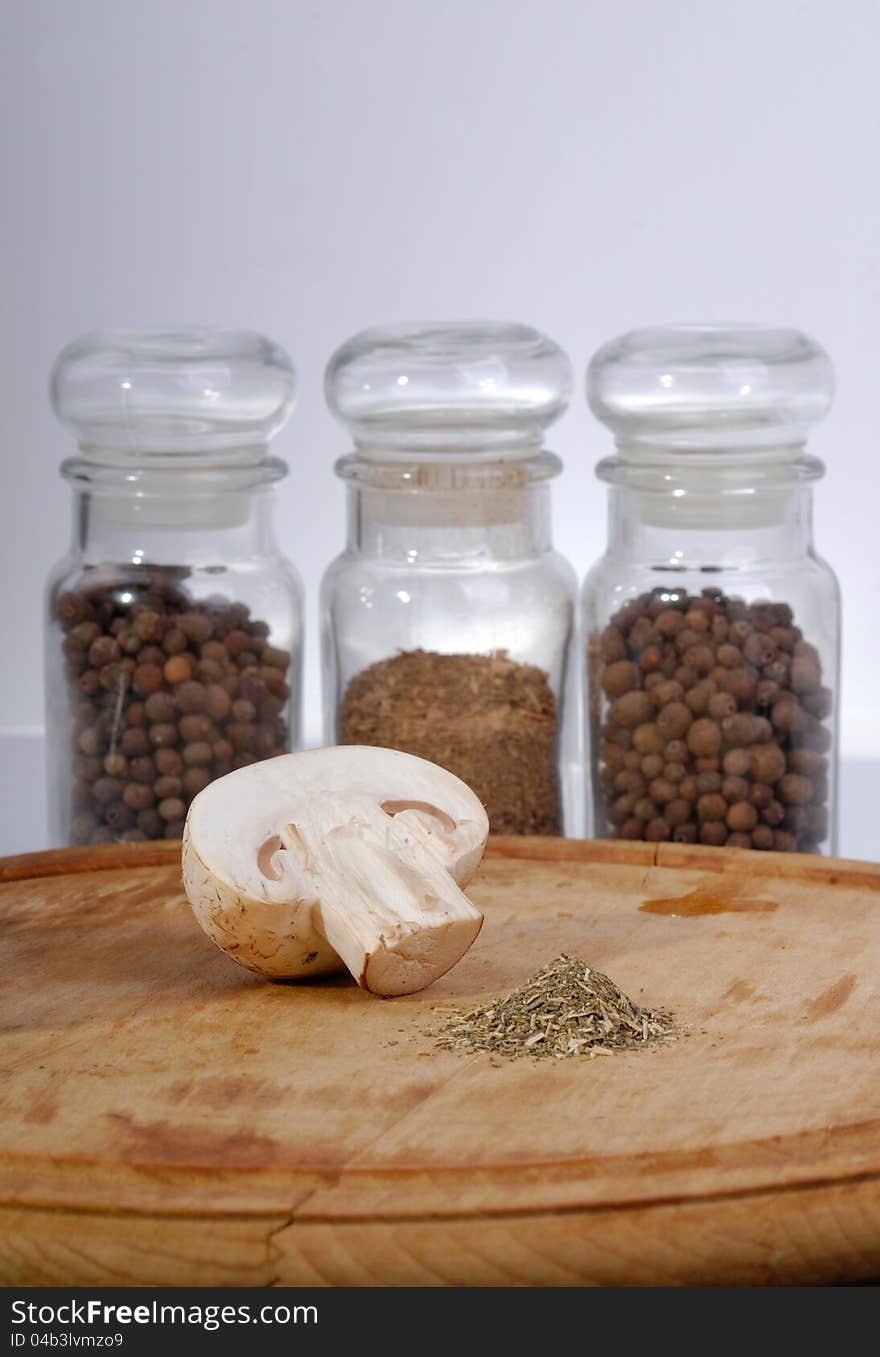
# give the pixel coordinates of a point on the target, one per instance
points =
(166, 1118)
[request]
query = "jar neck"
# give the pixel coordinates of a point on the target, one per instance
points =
(449, 514)
(195, 518)
(672, 530)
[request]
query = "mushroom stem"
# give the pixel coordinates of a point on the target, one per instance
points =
(395, 916)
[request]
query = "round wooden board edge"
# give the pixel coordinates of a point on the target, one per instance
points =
(808, 867)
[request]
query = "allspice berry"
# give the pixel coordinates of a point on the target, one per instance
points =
(178, 669)
(712, 708)
(712, 806)
(767, 763)
(704, 737)
(155, 686)
(794, 789)
(674, 720)
(632, 709)
(742, 816)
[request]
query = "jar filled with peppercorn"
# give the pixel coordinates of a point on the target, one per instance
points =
(448, 617)
(713, 628)
(174, 623)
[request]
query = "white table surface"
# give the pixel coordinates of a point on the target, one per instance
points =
(23, 817)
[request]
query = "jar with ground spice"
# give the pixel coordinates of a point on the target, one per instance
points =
(712, 626)
(174, 623)
(448, 617)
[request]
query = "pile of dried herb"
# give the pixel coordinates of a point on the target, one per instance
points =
(564, 1009)
(486, 718)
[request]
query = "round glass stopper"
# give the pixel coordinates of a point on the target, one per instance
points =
(708, 387)
(159, 395)
(475, 388)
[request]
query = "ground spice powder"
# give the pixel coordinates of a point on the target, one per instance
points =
(486, 718)
(565, 1009)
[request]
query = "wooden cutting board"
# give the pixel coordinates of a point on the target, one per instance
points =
(167, 1118)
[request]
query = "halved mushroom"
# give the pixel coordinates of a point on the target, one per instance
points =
(349, 856)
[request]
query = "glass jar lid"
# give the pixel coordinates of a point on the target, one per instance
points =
(173, 398)
(476, 389)
(709, 389)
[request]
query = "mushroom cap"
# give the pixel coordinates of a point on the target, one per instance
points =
(280, 855)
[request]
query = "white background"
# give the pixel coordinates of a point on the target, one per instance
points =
(308, 169)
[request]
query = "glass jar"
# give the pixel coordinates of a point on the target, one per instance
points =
(713, 627)
(173, 644)
(448, 617)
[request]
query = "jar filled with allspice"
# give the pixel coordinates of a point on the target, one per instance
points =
(712, 626)
(448, 617)
(174, 623)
